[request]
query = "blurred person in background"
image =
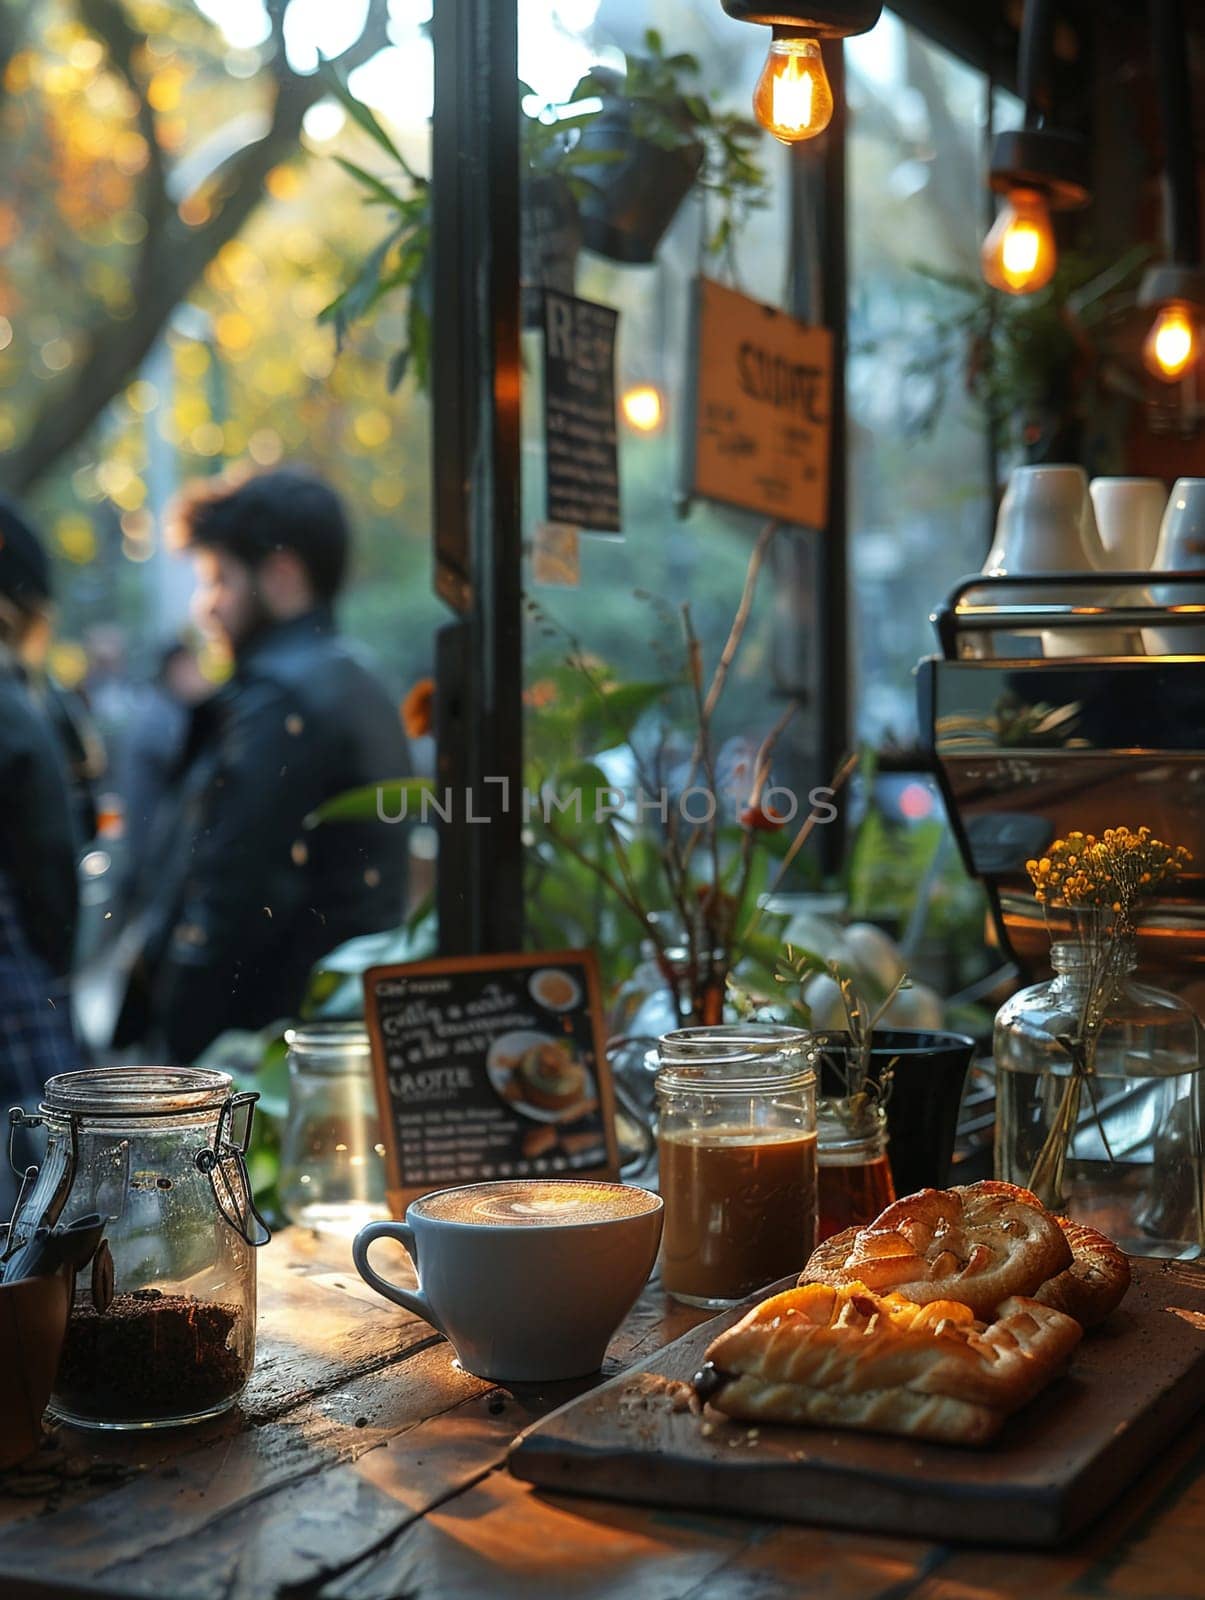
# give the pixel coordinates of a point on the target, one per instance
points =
(38, 840)
(151, 751)
(66, 709)
(241, 899)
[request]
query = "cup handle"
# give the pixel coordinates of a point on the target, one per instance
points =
(411, 1299)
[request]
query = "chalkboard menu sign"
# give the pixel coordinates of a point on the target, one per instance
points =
(579, 413)
(490, 1067)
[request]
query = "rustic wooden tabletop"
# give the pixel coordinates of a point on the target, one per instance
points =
(363, 1465)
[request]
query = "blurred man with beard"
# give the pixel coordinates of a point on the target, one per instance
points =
(238, 899)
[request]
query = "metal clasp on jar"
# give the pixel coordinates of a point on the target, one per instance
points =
(224, 1164)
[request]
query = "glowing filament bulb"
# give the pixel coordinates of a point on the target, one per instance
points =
(793, 97)
(1172, 345)
(1019, 254)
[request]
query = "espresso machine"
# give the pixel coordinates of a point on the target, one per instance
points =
(1044, 713)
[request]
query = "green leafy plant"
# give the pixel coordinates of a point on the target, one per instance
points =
(550, 144)
(1019, 355)
(402, 259)
(695, 889)
(670, 109)
(550, 147)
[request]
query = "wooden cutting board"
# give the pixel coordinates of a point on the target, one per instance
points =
(1133, 1384)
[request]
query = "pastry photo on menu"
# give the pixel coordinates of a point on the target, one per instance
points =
(539, 1075)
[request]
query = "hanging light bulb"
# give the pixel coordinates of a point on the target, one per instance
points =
(793, 97)
(1173, 343)
(1019, 255)
(642, 407)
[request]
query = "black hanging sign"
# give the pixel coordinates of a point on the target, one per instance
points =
(581, 450)
(490, 1067)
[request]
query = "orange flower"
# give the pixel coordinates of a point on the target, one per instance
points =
(540, 694)
(418, 709)
(762, 820)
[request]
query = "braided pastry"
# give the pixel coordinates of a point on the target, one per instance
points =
(977, 1245)
(850, 1358)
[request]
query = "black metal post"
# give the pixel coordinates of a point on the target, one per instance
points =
(1036, 55)
(834, 689)
(1169, 43)
(475, 426)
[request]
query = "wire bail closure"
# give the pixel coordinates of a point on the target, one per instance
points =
(224, 1164)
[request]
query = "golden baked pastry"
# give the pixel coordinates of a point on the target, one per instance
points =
(978, 1245)
(846, 1357)
(1095, 1283)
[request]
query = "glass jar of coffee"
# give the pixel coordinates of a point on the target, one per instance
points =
(162, 1331)
(737, 1146)
(332, 1160)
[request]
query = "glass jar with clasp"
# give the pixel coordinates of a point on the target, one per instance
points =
(162, 1331)
(737, 1148)
(332, 1160)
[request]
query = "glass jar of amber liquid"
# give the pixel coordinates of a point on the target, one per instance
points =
(853, 1172)
(737, 1146)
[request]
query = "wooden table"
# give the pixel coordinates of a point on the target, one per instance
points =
(364, 1466)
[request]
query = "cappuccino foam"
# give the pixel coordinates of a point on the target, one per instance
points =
(530, 1203)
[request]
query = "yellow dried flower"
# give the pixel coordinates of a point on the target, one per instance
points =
(1112, 873)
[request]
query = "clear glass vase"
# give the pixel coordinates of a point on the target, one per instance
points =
(1105, 1122)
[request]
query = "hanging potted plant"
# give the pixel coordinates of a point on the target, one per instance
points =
(661, 138)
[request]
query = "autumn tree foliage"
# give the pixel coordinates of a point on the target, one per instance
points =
(142, 209)
(168, 238)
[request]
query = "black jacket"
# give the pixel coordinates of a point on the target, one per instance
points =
(243, 899)
(37, 834)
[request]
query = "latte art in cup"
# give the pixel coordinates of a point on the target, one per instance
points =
(540, 1203)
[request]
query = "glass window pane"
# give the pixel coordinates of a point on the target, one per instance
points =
(919, 462)
(699, 557)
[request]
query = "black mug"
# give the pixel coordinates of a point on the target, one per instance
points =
(922, 1109)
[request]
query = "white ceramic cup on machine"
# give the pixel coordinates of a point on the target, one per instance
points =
(1181, 549)
(1047, 524)
(1042, 524)
(1129, 514)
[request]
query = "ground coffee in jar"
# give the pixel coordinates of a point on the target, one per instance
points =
(151, 1355)
(165, 1334)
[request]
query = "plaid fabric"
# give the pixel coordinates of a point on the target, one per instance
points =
(36, 1034)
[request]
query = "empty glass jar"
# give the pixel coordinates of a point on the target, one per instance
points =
(737, 1149)
(332, 1163)
(162, 1331)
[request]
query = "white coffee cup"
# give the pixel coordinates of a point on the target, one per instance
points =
(1043, 524)
(1181, 549)
(1129, 512)
(527, 1278)
(1047, 524)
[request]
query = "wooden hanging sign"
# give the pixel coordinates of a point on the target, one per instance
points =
(762, 396)
(490, 1067)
